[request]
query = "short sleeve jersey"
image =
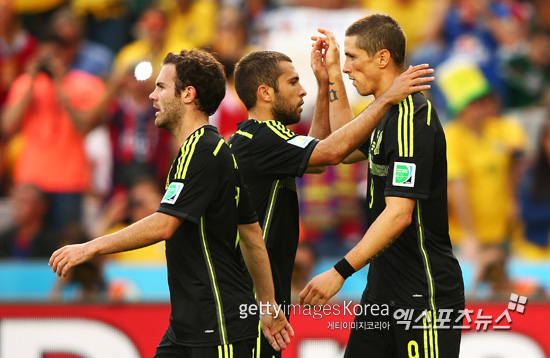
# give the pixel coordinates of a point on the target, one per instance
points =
(270, 157)
(206, 276)
(407, 158)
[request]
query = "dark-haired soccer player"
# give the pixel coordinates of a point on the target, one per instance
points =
(206, 218)
(407, 244)
(271, 156)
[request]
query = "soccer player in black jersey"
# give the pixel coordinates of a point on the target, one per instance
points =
(271, 156)
(207, 220)
(412, 266)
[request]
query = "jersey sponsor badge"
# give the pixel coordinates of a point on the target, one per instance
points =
(404, 174)
(300, 141)
(172, 193)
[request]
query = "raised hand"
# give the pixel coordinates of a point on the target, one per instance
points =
(331, 48)
(318, 66)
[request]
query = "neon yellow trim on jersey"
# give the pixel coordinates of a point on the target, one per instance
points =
(429, 112)
(432, 354)
(425, 337)
(411, 127)
(259, 340)
(271, 205)
(221, 320)
(431, 299)
(220, 352)
(185, 159)
(276, 128)
(245, 134)
(405, 129)
(371, 193)
(399, 134)
(226, 350)
(184, 150)
(283, 129)
(436, 341)
(218, 147)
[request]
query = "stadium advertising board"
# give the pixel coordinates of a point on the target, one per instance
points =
(498, 330)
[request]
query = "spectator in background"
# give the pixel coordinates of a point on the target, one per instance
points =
(52, 107)
(230, 44)
(108, 22)
(135, 141)
(474, 30)
(527, 72)
(126, 208)
(535, 198)
(192, 21)
(152, 42)
(17, 47)
(483, 153)
(304, 263)
(84, 55)
(29, 236)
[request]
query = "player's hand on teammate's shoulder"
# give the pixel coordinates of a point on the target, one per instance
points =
(321, 288)
(410, 81)
(275, 326)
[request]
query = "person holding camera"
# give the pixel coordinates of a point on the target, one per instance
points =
(52, 108)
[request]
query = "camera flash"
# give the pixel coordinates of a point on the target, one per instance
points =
(143, 70)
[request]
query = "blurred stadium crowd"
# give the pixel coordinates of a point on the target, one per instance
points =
(80, 155)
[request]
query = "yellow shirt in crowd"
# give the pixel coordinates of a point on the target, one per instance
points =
(484, 162)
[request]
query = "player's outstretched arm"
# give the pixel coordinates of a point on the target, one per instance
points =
(149, 230)
(345, 140)
(274, 324)
(380, 235)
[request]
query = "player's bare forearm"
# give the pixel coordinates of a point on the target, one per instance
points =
(275, 326)
(384, 230)
(320, 126)
(380, 235)
(257, 261)
(341, 143)
(148, 231)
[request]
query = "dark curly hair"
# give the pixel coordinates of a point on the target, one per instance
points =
(199, 69)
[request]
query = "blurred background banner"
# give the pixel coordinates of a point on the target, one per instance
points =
(133, 331)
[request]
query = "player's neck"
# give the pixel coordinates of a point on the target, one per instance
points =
(386, 80)
(260, 113)
(189, 124)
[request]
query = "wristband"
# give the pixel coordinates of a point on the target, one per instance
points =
(344, 268)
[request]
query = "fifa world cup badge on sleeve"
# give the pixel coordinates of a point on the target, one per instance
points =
(404, 174)
(172, 193)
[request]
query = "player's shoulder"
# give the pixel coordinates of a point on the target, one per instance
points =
(204, 141)
(413, 101)
(274, 129)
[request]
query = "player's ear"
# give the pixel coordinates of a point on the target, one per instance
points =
(264, 93)
(189, 94)
(384, 57)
